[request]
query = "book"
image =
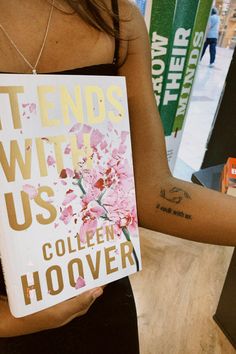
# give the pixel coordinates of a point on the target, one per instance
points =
(68, 218)
(228, 177)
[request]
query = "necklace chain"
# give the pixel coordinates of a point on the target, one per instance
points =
(33, 67)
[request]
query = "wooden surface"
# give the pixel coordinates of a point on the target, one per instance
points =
(177, 294)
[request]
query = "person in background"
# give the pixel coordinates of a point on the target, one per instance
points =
(212, 36)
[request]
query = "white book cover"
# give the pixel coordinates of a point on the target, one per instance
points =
(68, 219)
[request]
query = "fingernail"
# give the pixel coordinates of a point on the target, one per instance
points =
(98, 292)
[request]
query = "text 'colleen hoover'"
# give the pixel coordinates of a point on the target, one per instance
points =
(104, 261)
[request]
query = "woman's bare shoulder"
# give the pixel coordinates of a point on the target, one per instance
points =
(132, 25)
(128, 10)
(132, 21)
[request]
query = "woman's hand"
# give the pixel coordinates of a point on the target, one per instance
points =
(53, 317)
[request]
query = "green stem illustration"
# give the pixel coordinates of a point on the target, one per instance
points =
(127, 236)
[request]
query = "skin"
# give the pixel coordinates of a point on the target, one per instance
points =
(165, 203)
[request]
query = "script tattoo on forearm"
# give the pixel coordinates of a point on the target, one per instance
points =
(176, 196)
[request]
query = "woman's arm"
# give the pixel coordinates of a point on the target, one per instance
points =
(53, 317)
(165, 203)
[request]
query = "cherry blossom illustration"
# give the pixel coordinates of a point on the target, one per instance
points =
(29, 110)
(106, 191)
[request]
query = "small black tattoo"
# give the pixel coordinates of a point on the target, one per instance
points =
(174, 195)
(171, 211)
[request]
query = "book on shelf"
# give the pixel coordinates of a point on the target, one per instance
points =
(228, 177)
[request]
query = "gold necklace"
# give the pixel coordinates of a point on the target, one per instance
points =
(33, 67)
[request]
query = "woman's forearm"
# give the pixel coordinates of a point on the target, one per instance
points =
(188, 211)
(9, 325)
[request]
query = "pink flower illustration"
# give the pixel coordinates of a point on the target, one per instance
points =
(30, 190)
(75, 127)
(123, 136)
(96, 138)
(80, 139)
(106, 191)
(66, 215)
(80, 283)
(32, 108)
(50, 160)
(67, 149)
(86, 129)
(29, 108)
(89, 225)
(68, 198)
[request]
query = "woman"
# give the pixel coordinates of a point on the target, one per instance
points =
(45, 39)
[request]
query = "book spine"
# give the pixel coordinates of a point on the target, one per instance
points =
(161, 22)
(179, 44)
(196, 43)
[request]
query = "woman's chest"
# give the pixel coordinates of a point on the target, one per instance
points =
(66, 42)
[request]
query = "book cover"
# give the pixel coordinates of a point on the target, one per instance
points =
(228, 177)
(160, 32)
(68, 219)
(178, 49)
(196, 43)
